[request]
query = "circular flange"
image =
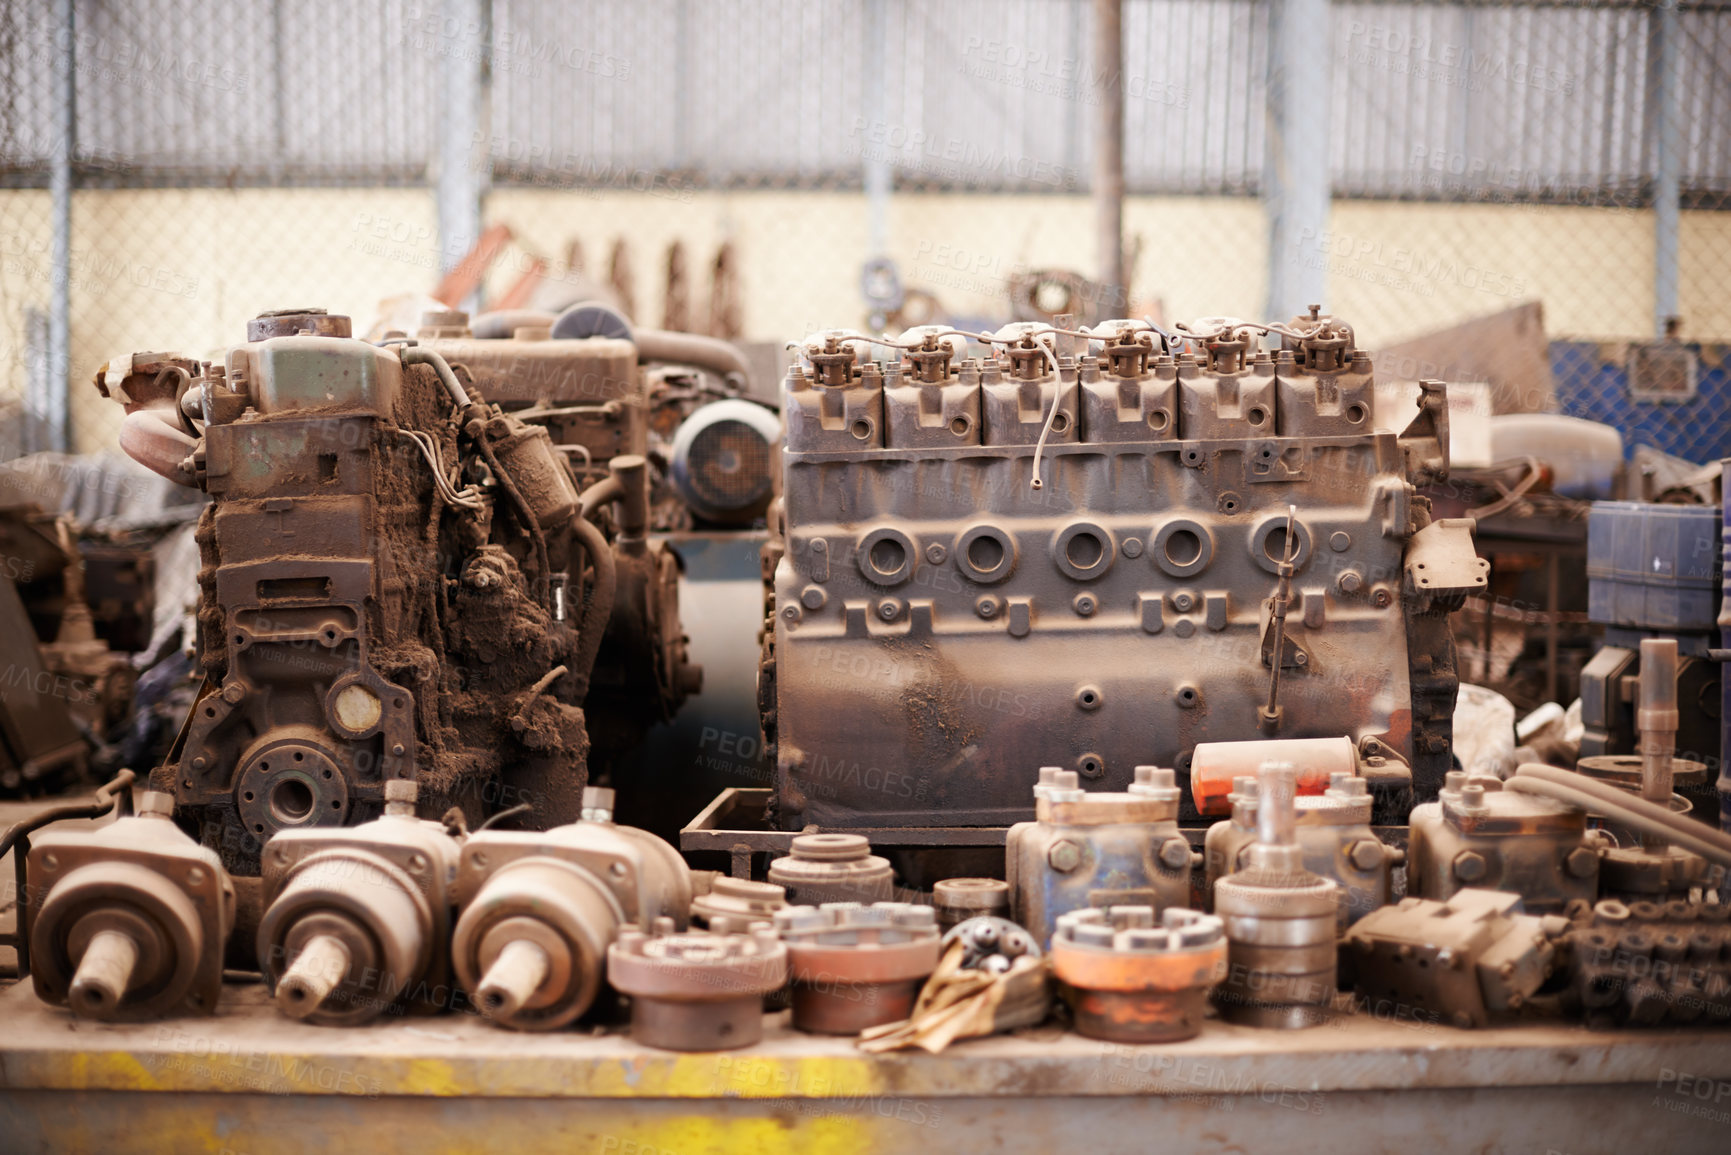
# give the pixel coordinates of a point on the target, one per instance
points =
(985, 554)
(288, 783)
(886, 556)
(1183, 547)
(1270, 534)
(1084, 550)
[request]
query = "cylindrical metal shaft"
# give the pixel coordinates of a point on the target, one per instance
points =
(316, 972)
(514, 977)
(1656, 718)
(1276, 814)
(104, 972)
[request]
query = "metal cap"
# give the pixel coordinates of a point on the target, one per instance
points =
(156, 804)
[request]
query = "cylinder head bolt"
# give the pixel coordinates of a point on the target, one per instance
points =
(128, 921)
(857, 966)
(1133, 978)
(1280, 921)
(339, 954)
(699, 991)
(825, 868)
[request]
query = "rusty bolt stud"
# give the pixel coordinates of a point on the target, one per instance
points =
(1581, 862)
(1366, 854)
(1469, 866)
(1175, 854)
(1064, 855)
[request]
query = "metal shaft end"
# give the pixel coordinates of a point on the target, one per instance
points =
(104, 973)
(513, 978)
(315, 974)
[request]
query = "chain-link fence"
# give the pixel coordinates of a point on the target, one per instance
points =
(169, 168)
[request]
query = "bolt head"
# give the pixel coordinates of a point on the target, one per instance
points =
(889, 609)
(1581, 862)
(1366, 854)
(1470, 866)
(936, 553)
(1064, 856)
(1175, 853)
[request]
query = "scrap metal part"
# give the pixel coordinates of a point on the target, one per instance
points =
(1097, 848)
(855, 966)
(127, 921)
(739, 899)
(1068, 552)
(697, 991)
(1477, 834)
(1333, 828)
(1648, 963)
(402, 579)
(1132, 978)
(957, 900)
(539, 909)
(1280, 923)
(1467, 960)
(822, 868)
(357, 920)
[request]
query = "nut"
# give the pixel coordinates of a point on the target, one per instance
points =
(1175, 853)
(1366, 854)
(1469, 866)
(1065, 855)
(1581, 862)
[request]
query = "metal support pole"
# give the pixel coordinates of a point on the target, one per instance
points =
(1295, 178)
(1109, 156)
(1666, 87)
(465, 160)
(55, 428)
(875, 163)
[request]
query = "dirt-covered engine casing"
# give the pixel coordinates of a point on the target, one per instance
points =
(364, 616)
(940, 623)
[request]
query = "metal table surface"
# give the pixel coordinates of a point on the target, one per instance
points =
(250, 1081)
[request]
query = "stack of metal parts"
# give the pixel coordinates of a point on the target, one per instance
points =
(1280, 922)
(1645, 963)
(959, 900)
(822, 868)
(1132, 978)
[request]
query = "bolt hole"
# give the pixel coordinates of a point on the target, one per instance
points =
(327, 773)
(1257, 417)
(1355, 414)
(1183, 547)
(1084, 551)
(888, 557)
(1060, 422)
(985, 553)
(861, 430)
(248, 796)
(960, 427)
(299, 757)
(1158, 419)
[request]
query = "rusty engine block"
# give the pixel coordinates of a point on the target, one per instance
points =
(1092, 551)
(415, 566)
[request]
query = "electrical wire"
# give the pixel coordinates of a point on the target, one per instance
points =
(468, 497)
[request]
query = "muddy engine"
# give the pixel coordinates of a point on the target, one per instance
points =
(1094, 551)
(415, 565)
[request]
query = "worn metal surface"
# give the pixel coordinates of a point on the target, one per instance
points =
(395, 579)
(698, 991)
(947, 616)
(1130, 979)
(856, 966)
(1478, 834)
(250, 1081)
(1097, 848)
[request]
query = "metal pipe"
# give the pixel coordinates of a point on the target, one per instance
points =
(316, 972)
(514, 978)
(419, 355)
(875, 163)
(1666, 91)
(711, 353)
(54, 416)
(603, 492)
(598, 610)
(1276, 810)
(1109, 156)
(1626, 812)
(1657, 718)
(104, 973)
